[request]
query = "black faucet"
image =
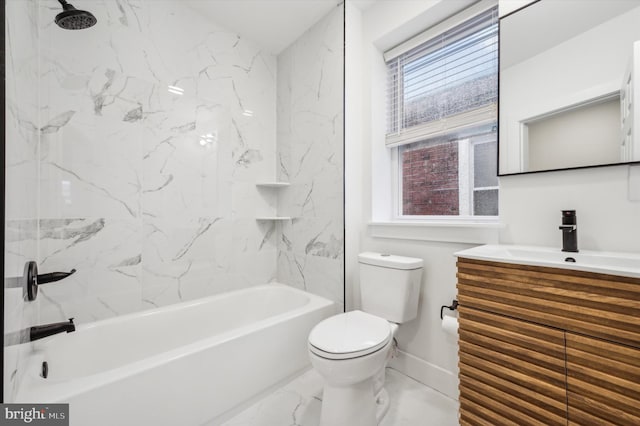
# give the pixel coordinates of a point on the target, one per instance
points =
(40, 331)
(569, 230)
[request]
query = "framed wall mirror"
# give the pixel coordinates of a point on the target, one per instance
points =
(569, 82)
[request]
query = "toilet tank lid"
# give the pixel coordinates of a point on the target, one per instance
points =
(390, 260)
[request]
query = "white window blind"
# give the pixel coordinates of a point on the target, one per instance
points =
(446, 82)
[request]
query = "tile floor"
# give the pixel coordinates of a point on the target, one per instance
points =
(298, 404)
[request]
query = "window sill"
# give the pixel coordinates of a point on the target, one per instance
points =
(442, 231)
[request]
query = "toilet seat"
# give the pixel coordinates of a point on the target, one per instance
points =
(349, 335)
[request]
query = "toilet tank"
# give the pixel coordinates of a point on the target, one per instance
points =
(390, 285)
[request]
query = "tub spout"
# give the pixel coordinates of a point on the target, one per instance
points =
(41, 331)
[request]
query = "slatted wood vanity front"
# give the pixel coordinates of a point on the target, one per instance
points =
(547, 346)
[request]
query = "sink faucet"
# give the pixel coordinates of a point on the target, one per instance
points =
(569, 230)
(41, 331)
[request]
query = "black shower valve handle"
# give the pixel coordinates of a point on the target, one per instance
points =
(54, 276)
(32, 279)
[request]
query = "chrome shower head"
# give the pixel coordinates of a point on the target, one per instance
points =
(74, 19)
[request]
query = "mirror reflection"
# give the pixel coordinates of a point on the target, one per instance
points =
(568, 78)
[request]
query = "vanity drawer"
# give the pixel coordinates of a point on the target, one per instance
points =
(598, 305)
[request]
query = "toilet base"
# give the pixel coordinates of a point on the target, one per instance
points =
(353, 406)
(354, 393)
(382, 404)
(349, 406)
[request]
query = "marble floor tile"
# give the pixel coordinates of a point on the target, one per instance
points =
(298, 404)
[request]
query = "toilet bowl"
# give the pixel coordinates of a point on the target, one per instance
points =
(350, 350)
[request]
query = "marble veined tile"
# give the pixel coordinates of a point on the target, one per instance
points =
(300, 401)
(314, 236)
(182, 281)
(21, 132)
(318, 275)
(154, 127)
(21, 245)
(192, 239)
(310, 157)
(88, 173)
(146, 135)
(181, 177)
(107, 257)
(21, 171)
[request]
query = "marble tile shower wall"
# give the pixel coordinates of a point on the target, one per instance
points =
(148, 191)
(151, 194)
(310, 157)
(21, 171)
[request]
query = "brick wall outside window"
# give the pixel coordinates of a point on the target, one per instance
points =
(430, 180)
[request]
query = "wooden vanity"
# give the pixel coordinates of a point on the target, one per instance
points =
(547, 346)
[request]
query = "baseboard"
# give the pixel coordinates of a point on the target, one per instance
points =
(431, 375)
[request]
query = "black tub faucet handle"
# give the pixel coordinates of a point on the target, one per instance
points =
(54, 276)
(31, 279)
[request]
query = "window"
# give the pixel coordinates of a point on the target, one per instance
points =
(451, 175)
(442, 119)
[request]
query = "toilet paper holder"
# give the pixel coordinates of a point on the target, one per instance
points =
(453, 307)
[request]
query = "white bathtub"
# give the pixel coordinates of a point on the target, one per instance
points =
(188, 364)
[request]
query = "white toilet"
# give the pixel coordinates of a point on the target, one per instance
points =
(350, 350)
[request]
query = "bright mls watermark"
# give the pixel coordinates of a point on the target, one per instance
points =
(35, 414)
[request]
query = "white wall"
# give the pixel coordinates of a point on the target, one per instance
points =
(530, 207)
(427, 354)
(510, 6)
(354, 157)
(529, 204)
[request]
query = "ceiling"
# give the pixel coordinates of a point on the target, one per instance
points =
(274, 24)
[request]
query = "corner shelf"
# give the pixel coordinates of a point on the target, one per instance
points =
(273, 184)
